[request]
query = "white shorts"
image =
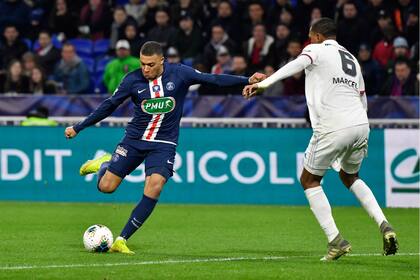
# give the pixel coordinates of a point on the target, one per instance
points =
(347, 146)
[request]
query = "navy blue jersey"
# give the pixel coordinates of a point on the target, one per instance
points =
(158, 104)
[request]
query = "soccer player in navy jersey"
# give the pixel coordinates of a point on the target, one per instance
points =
(158, 92)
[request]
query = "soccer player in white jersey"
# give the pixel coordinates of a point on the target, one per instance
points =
(337, 105)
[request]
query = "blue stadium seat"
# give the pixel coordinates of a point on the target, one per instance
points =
(28, 43)
(101, 64)
(101, 47)
(99, 86)
(122, 2)
(90, 64)
(83, 47)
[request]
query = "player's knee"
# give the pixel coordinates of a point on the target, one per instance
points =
(348, 179)
(106, 186)
(307, 182)
(154, 188)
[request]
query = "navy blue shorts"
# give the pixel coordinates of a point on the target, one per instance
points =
(130, 153)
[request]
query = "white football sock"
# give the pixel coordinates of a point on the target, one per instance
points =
(368, 200)
(322, 210)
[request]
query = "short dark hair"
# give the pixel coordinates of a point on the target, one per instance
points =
(324, 26)
(151, 48)
(402, 60)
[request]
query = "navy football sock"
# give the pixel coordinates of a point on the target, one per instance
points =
(139, 216)
(101, 172)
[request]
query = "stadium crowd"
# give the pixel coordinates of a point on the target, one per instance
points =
(80, 47)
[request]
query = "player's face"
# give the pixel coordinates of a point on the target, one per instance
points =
(151, 66)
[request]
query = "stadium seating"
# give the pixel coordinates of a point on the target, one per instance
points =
(90, 64)
(57, 43)
(84, 47)
(101, 47)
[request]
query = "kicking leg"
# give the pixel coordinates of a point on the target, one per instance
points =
(368, 201)
(321, 208)
(153, 187)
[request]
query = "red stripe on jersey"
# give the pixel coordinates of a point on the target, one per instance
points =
(155, 122)
(308, 56)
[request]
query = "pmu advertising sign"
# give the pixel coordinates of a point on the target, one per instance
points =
(213, 165)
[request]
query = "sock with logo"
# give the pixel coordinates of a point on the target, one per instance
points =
(322, 210)
(368, 201)
(139, 215)
(101, 172)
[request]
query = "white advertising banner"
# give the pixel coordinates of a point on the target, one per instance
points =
(402, 168)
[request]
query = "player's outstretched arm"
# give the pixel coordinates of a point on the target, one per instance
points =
(290, 69)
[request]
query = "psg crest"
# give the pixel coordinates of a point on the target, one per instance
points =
(170, 86)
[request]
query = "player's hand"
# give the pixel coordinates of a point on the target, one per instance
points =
(70, 132)
(250, 91)
(257, 77)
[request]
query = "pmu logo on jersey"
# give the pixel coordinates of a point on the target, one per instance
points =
(160, 105)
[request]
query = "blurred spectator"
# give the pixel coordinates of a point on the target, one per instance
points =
(223, 62)
(11, 47)
(188, 40)
(275, 89)
(255, 16)
(226, 18)
(132, 36)
(14, 81)
(95, 19)
(218, 39)
(28, 63)
(257, 48)
(352, 30)
(412, 25)
(16, 13)
(278, 48)
(303, 15)
(137, 10)
(71, 72)
(36, 24)
(294, 48)
(400, 51)
(401, 13)
(117, 68)
(39, 84)
(382, 25)
(239, 66)
(38, 117)
(383, 50)
(163, 31)
(190, 7)
(371, 71)
(62, 21)
(403, 82)
(374, 9)
(172, 55)
(294, 85)
(287, 18)
(121, 20)
(152, 6)
(47, 55)
(275, 10)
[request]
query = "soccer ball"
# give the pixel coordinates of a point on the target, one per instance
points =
(98, 238)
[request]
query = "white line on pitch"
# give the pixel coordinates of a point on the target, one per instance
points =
(268, 258)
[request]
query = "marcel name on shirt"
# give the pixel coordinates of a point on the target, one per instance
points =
(342, 80)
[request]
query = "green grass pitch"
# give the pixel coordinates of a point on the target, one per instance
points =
(44, 241)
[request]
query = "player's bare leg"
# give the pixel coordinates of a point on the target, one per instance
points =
(337, 246)
(152, 189)
(109, 182)
(366, 198)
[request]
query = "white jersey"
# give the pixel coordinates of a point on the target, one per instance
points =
(334, 88)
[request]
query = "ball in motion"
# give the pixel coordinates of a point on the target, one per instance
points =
(98, 238)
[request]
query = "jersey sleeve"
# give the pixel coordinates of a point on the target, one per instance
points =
(107, 106)
(310, 51)
(192, 76)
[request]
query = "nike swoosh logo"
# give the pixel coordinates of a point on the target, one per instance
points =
(169, 162)
(140, 91)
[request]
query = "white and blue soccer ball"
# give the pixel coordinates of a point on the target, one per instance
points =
(98, 238)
